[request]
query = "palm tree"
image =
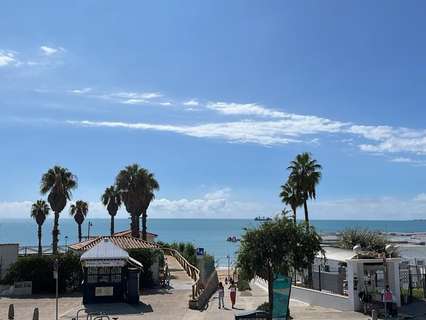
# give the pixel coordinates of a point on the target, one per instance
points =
(305, 174)
(59, 183)
(79, 212)
(291, 197)
(112, 200)
(39, 211)
(136, 186)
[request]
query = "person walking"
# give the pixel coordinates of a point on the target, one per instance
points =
(221, 295)
(388, 301)
(232, 292)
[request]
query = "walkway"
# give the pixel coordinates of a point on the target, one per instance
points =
(168, 304)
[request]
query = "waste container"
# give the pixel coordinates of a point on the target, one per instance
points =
(133, 286)
(255, 314)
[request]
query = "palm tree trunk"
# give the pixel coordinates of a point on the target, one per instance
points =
(144, 216)
(79, 233)
(294, 215)
(40, 251)
(112, 225)
(134, 225)
(305, 206)
(55, 233)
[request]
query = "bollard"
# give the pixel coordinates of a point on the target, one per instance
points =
(374, 314)
(11, 313)
(35, 314)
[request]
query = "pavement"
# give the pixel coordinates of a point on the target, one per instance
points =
(166, 304)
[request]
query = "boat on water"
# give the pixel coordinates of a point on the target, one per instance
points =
(262, 219)
(232, 239)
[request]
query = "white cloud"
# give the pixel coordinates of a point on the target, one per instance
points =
(387, 208)
(231, 108)
(421, 197)
(191, 103)
(50, 51)
(81, 91)
(215, 204)
(7, 58)
(264, 133)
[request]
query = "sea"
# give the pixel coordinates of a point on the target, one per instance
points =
(210, 234)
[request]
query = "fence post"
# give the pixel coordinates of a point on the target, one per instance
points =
(11, 313)
(410, 284)
(36, 314)
(319, 277)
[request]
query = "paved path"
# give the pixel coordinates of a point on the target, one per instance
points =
(167, 304)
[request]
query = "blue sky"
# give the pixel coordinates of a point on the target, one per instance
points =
(215, 98)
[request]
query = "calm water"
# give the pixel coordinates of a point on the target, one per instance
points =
(210, 234)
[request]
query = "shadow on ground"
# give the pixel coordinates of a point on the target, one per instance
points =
(119, 308)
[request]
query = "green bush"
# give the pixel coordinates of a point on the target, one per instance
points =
(369, 240)
(243, 285)
(146, 257)
(39, 270)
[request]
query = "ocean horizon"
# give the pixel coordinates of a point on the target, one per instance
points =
(211, 235)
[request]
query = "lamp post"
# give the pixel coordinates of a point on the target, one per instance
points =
(56, 276)
(90, 224)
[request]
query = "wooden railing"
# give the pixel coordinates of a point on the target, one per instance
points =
(192, 271)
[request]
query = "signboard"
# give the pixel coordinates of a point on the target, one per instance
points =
(200, 251)
(104, 263)
(104, 291)
(282, 289)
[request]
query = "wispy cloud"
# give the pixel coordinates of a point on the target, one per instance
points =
(124, 97)
(191, 103)
(7, 58)
(50, 51)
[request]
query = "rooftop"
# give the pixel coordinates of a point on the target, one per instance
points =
(124, 242)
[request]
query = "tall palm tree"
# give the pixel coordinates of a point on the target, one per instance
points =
(39, 211)
(291, 197)
(59, 183)
(305, 174)
(79, 212)
(112, 200)
(136, 186)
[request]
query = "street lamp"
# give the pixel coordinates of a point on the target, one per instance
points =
(90, 224)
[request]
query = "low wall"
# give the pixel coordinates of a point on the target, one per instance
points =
(321, 298)
(209, 289)
(314, 297)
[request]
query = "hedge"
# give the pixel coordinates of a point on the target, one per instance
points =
(147, 257)
(39, 270)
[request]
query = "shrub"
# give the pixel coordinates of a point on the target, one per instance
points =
(369, 240)
(146, 257)
(243, 285)
(39, 270)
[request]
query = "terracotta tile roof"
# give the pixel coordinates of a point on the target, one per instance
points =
(129, 233)
(124, 242)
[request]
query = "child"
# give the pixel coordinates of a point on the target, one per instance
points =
(221, 294)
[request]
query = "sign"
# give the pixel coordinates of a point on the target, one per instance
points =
(282, 289)
(200, 252)
(104, 263)
(104, 291)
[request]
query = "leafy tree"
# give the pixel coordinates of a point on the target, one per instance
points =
(59, 183)
(305, 174)
(39, 211)
(112, 200)
(276, 246)
(367, 239)
(136, 186)
(291, 196)
(79, 211)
